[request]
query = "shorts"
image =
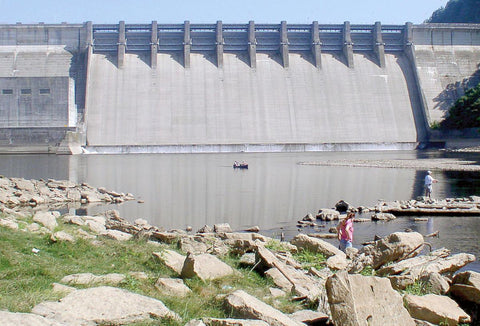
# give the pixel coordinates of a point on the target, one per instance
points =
(344, 244)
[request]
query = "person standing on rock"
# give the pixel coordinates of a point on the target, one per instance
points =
(345, 232)
(429, 181)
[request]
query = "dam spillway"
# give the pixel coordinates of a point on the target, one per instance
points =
(232, 87)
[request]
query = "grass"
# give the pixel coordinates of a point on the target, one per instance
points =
(26, 278)
(418, 288)
(310, 259)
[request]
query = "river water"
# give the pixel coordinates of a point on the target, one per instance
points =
(180, 190)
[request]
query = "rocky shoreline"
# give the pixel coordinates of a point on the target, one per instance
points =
(335, 295)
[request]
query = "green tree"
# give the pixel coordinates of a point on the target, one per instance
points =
(457, 11)
(465, 113)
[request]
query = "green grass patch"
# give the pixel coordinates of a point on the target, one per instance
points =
(26, 277)
(368, 271)
(277, 245)
(310, 259)
(418, 288)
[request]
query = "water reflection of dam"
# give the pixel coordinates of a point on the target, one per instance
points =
(229, 87)
(181, 190)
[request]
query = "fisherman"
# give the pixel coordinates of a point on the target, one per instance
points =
(429, 181)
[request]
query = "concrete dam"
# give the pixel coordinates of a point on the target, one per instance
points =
(126, 88)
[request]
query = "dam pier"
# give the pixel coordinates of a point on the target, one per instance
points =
(185, 88)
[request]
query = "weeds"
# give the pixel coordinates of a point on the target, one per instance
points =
(310, 259)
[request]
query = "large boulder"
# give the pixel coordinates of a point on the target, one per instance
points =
(243, 305)
(396, 246)
(205, 266)
(365, 300)
(47, 219)
(303, 241)
(342, 206)
(103, 305)
(440, 265)
(436, 309)
(436, 283)
(466, 286)
(171, 259)
(327, 214)
(302, 285)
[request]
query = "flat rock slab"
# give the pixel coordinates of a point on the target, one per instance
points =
(172, 286)
(365, 300)
(103, 305)
(16, 319)
(206, 267)
(303, 241)
(91, 279)
(436, 309)
(247, 306)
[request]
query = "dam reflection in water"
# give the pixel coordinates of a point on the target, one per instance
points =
(182, 190)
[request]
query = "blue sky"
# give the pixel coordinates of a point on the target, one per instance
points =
(209, 11)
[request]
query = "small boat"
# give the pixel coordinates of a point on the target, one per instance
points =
(242, 165)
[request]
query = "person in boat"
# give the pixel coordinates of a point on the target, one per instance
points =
(429, 181)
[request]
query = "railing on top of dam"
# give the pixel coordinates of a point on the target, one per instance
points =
(203, 37)
(219, 38)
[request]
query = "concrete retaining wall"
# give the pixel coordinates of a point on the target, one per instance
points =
(448, 63)
(236, 105)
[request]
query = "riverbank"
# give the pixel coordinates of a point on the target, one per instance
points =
(218, 274)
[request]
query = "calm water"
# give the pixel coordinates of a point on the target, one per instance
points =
(182, 190)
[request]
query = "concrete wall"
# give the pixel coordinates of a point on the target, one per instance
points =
(448, 63)
(170, 105)
(34, 102)
(237, 86)
(42, 82)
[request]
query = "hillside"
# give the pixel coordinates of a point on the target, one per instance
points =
(457, 11)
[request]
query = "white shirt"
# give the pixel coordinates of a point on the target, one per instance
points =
(428, 180)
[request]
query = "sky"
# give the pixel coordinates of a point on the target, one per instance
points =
(209, 11)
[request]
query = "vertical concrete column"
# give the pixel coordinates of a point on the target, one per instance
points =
(252, 44)
(284, 43)
(187, 44)
(219, 43)
(316, 45)
(122, 44)
(378, 45)
(408, 35)
(347, 44)
(422, 118)
(89, 43)
(154, 45)
(89, 36)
